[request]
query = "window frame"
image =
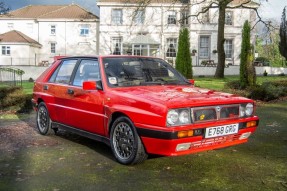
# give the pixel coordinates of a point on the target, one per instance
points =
(171, 18)
(114, 17)
(228, 18)
(84, 30)
(6, 51)
(171, 41)
(53, 30)
(114, 41)
(53, 48)
(231, 52)
(203, 46)
(139, 17)
(184, 17)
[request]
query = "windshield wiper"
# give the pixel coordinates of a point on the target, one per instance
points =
(151, 83)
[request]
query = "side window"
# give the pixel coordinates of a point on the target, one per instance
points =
(88, 70)
(63, 73)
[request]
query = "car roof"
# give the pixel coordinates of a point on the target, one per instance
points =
(104, 56)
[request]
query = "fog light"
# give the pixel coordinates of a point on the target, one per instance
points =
(183, 146)
(251, 124)
(245, 135)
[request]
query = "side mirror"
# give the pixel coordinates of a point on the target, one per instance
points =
(192, 81)
(92, 85)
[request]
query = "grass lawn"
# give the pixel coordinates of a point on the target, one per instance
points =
(218, 84)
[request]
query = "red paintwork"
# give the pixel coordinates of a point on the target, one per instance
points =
(146, 106)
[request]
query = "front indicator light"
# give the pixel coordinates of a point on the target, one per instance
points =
(245, 135)
(183, 146)
(182, 134)
(251, 124)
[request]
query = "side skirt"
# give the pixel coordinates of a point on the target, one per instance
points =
(83, 133)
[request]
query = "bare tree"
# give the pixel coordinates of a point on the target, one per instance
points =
(3, 8)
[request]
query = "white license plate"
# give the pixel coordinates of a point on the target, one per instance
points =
(221, 130)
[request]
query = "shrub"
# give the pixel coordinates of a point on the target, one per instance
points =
(14, 97)
(269, 91)
(236, 84)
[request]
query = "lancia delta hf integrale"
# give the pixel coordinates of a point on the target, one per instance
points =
(138, 106)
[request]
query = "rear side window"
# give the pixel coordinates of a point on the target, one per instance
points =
(88, 70)
(63, 73)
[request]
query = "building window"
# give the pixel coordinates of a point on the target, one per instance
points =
(117, 45)
(139, 17)
(117, 16)
(53, 29)
(228, 18)
(205, 17)
(171, 19)
(6, 50)
(228, 48)
(53, 48)
(84, 30)
(171, 47)
(204, 47)
(184, 18)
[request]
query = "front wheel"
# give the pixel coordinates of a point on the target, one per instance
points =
(125, 142)
(44, 123)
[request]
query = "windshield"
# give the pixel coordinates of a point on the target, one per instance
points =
(123, 72)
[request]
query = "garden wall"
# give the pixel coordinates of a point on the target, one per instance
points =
(35, 71)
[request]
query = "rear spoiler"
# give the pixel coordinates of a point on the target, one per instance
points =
(59, 57)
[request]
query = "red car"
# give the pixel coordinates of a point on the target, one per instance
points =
(138, 106)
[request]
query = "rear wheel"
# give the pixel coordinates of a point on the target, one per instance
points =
(125, 142)
(44, 123)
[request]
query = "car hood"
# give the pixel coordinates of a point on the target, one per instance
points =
(179, 96)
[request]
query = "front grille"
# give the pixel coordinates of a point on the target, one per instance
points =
(212, 113)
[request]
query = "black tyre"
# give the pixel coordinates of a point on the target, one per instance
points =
(44, 123)
(125, 142)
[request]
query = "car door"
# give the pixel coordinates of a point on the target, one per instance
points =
(57, 89)
(85, 108)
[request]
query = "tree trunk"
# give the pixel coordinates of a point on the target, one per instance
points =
(219, 73)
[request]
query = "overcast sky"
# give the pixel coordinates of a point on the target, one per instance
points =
(271, 9)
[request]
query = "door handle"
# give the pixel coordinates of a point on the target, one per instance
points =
(45, 87)
(70, 91)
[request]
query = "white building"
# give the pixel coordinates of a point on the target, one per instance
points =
(58, 29)
(130, 27)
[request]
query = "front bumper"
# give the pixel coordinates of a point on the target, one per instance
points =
(167, 143)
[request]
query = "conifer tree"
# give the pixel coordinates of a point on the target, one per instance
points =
(247, 69)
(183, 57)
(283, 35)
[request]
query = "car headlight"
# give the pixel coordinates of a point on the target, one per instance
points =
(246, 110)
(249, 109)
(172, 117)
(178, 117)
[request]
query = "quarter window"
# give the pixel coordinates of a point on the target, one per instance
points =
(171, 47)
(228, 48)
(171, 19)
(63, 74)
(6, 50)
(88, 70)
(204, 47)
(117, 16)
